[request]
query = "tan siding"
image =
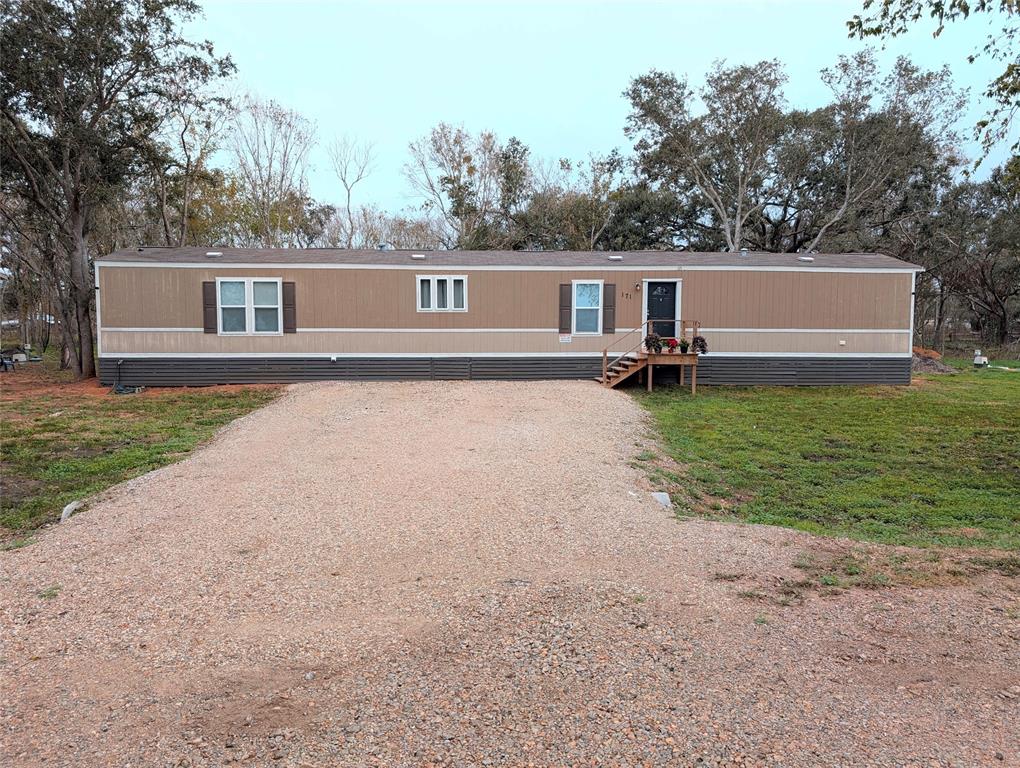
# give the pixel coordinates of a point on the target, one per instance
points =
(721, 299)
(492, 342)
(819, 343)
(149, 297)
(349, 343)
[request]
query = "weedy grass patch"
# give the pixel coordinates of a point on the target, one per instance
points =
(62, 440)
(933, 464)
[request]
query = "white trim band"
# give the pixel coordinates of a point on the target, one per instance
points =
(386, 355)
(615, 267)
(805, 330)
(526, 330)
(834, 355)
(358, 330)
(328, 355)
(428, 330)
(155, 330)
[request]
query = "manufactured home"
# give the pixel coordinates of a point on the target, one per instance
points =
(194, 316)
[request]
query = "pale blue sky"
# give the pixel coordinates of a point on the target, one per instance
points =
(550, 73)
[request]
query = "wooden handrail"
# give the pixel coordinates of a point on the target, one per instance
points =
(606, 364)
(605, 352)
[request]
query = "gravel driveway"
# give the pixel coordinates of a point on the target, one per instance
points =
(467, 574)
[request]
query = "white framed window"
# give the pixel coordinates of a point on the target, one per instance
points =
(587, 308)
(446, 293)
(249, 306)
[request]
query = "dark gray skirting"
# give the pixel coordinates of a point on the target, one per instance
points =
(171, 372)
(804, 371)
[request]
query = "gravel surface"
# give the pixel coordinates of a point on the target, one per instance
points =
(925, 364)
(468, 574)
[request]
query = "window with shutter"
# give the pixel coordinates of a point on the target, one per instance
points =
(587, 314)
(249, 306)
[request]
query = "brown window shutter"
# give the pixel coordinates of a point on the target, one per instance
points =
(209, 307)
(566, 305)
(609, 308)
(289, 309)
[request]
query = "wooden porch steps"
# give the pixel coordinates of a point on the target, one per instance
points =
(621, 370)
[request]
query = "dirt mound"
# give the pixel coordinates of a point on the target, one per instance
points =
(929, 353)
(924, 364)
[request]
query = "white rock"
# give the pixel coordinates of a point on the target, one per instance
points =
(663, 499)
(70, 509)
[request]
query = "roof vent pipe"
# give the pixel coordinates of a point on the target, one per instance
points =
(214, 254)
(418, 256)
(805, 258)
(616, 257)
(744, 252)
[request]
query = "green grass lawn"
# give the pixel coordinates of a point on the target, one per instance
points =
(937, 463)
(61, 441)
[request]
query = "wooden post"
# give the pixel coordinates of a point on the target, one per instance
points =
(680, 374)
(605, 364)
(650, 377)
(694, 380)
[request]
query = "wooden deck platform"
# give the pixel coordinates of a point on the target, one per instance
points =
(680, 361)
(621, 366)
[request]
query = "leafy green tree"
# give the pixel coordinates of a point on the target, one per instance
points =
(980, 224)
(876, 155)
(747, 172)
(645, 218)
(891, 18)
(84, 85)
(725, 152)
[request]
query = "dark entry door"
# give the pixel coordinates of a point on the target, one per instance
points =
(662, 306)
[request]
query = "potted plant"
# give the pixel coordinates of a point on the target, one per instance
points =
(698, 345)
(653, 343)
(684, 346)
(671, 345)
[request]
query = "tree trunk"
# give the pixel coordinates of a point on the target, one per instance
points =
(66, 356)
(68, 352)
(44, 334)
(81, 298)
(939, 336)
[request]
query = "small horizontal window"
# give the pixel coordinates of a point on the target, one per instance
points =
(442, 294)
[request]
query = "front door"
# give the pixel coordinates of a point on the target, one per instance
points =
(662, 306)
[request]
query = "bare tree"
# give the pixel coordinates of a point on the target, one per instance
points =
(191, 135)
(29, 246)
(597, 180)
(352, 163)
(459, 176)
(271, 146)
(571, 205)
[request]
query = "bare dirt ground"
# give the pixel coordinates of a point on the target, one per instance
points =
(36, 380)
(468, 574)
